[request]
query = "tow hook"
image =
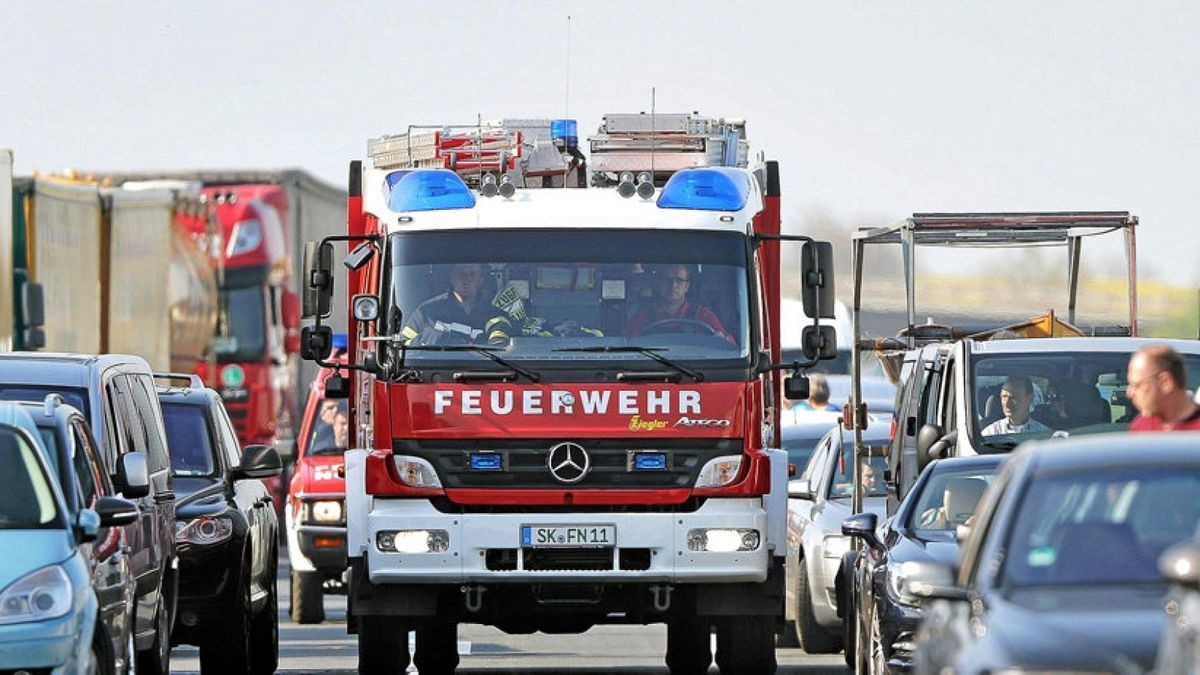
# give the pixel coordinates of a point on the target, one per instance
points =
(662, 597)
(473, 596)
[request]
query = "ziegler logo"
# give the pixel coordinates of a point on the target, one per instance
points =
(636, 423)
(689, 423)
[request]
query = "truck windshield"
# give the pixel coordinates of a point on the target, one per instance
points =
(241, 332)
(1025, 396)
(541, 295)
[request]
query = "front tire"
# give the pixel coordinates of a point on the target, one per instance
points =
(814, 638)
(689, 646)
(264, 628)
(308, 598)
(382, 646)
(229, 650)
(746, 646)
(156, 660)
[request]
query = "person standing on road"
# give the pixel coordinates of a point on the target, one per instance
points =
(1016, 398)
(818, 396)
(1158, 389)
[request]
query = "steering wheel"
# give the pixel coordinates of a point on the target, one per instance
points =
(693, 323)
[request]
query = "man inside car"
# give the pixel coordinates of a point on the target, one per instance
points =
(1016, 399)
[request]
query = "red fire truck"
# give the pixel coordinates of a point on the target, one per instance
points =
(564, 398)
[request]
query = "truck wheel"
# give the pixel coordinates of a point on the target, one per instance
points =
(437, 648)
(308, 599)
(156, 660)
(814, 639)
(264, 629)
(689, 646)
(382, 646)
(746, 645)
(228, 651)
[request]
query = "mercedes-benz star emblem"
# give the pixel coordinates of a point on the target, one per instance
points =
(568, 462)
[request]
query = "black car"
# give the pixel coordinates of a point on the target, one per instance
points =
(226, 532)
(76, 462)
(924, 528)
(1059, 572)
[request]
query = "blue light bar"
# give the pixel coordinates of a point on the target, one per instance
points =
(428, 190)
(709, 189)
(649, 461)
(486, 461)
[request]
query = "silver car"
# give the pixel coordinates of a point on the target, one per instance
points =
(818, 501)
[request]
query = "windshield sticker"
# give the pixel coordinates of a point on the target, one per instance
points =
(1043, 556)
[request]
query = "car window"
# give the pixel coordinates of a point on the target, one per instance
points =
(330, 433)
(800, 450)
(189, 440)
(26, 493)
(87, 472)
(146, 400)
(49, 438)
(841, 480)
(129, 426)
(233, 450)
(76, 398)
(950, 498)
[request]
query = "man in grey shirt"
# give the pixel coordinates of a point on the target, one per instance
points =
(1016, 399)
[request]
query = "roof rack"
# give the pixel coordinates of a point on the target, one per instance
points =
(191, 379)
(664, 143)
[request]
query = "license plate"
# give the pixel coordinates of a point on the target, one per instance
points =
(568, 536)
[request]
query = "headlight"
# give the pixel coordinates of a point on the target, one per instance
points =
(43, 594)
(723, 539)
(719, 471)
(324, 511)
(835, 546)
(896, 583)
(203, 531)
(413, 541)
(416, 472)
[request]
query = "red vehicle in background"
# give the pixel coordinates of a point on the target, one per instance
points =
(315, 513)
(258, 330)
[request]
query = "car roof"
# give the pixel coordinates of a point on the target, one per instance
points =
(62, 369)
(1079, 344)
(1110, 451)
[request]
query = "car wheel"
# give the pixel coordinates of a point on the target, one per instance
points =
(382, 646)
(850, 632)
(229, 650)
(814, 638)
(689, 646)
(156, 660)
(264, 629)
(103, 659)
(308, 598)
(878, 663)
(746, 645)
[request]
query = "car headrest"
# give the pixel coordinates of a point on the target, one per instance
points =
(960, 498)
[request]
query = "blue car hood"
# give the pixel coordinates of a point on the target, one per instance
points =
(28, 550)
(911, 548)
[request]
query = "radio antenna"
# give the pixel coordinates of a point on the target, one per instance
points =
(567, 102)
(653, 139)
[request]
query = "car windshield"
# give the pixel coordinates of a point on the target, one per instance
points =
(330, 433)
(76, 398)
(949, 498)
(842, 483)
(26, 497)
(1025, 396)
(562, 295)
(241, 331)
(188, 439)
(1105, 527)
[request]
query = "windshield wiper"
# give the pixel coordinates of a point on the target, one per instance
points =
(484, 350)
(651, 352)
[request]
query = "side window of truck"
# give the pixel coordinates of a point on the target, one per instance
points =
(948, 414)
(149, 417)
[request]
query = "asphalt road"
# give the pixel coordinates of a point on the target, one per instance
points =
(326, 648)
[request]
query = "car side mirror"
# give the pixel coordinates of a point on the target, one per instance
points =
(800, 489)
(133, 476)
(116, 512)
(258, 461)
(931, 581)
(1180, 564)
(926, 438)
(87, 526)
(862, 525)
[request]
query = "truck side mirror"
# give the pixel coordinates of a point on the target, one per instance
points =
(795, 387)
(318, 279)
(33, 312)
(316, 343)
(816, 279)
(819, 342)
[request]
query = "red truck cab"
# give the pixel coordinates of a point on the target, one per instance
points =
(257, 334)
(315, 509)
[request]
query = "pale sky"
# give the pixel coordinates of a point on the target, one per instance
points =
(874, 109)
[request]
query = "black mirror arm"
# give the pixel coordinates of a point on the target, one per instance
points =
(373, 239)
(816, 322)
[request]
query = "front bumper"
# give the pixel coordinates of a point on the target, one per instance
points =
(324, 546)
(47, 645)
(897, 632)
(208, 587)
(658, 541)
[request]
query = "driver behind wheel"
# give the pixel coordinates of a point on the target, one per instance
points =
(672, 311)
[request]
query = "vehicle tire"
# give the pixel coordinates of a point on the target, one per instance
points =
(229, 650)
(814, 638)
(437, 648)
(861, 666)
(746, 645)
(156, 660)
(850, 631)
(308, 598)
(103, 659)
(788, 639)
(382, 646)
(130, 662)
(877, 664)
(689, 646)
(264, 627)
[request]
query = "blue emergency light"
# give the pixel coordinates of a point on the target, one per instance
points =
(340, 342)
(428, 190)
(649, 461)
(708, 189)
(486, 461)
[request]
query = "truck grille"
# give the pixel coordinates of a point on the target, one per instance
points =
(524, 463)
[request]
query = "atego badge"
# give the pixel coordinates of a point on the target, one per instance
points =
(568, 462)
